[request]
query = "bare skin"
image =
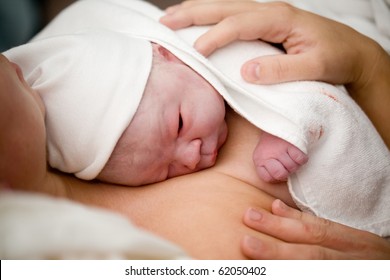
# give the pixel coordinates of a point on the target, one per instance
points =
(202, 212)
(197, 202)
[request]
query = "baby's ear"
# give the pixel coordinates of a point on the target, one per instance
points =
(167, 55)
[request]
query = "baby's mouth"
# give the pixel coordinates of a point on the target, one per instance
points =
(213, 156)
(222, 137)
(209, 159)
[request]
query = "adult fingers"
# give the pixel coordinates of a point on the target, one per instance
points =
(282, 68)
(202, 12)
(249, 21)
(294, 226)
(298, 227)
(255, 248)
(314, 237)
(244, 26)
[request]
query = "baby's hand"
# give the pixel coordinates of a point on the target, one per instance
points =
(275, 159)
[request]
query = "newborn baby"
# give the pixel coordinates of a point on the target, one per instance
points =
(173, 125)
(97, 82)
(177, 129)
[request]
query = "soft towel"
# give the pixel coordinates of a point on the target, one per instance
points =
(370, 17)
(347, 178)
(42, 227)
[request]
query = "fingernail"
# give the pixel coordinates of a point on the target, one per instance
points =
(252, 71)
(169, 11)
(281, 204)
(254, 215)
(172, 9)
(252, 243)
(201, 48)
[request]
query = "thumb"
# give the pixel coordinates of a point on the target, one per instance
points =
(279, 68)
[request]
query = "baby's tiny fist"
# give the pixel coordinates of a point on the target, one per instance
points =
(275, 159)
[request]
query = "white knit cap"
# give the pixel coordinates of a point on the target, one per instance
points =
(91, 84)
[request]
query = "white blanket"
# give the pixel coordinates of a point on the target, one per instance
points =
(41, 227)
(370, 17)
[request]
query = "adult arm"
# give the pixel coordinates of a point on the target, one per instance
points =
(314, 48)
(317, 48)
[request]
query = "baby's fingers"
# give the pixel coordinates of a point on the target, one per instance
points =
(272, 171)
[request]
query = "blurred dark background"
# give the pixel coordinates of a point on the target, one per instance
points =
(22, 19)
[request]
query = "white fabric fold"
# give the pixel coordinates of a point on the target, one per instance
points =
(370, 17)
(41, 227)
(91, 83)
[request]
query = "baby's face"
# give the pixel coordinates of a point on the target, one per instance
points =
(178, 128)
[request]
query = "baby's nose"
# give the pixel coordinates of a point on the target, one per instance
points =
(189, 154)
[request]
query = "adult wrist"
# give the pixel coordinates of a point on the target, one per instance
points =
(371, 68)
(372, 90)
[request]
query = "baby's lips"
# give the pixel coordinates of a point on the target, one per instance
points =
(209, 159)
(222, 137)
(214, 155)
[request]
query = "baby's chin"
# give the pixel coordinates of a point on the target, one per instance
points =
(207, 161)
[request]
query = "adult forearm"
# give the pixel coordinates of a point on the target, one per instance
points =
(372, 90)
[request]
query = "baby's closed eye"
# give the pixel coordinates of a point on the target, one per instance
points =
(180, 124)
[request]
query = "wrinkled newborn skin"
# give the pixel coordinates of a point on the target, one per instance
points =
(178, 128)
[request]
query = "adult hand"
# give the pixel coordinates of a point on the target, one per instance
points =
(317, 48)
(304, 236)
